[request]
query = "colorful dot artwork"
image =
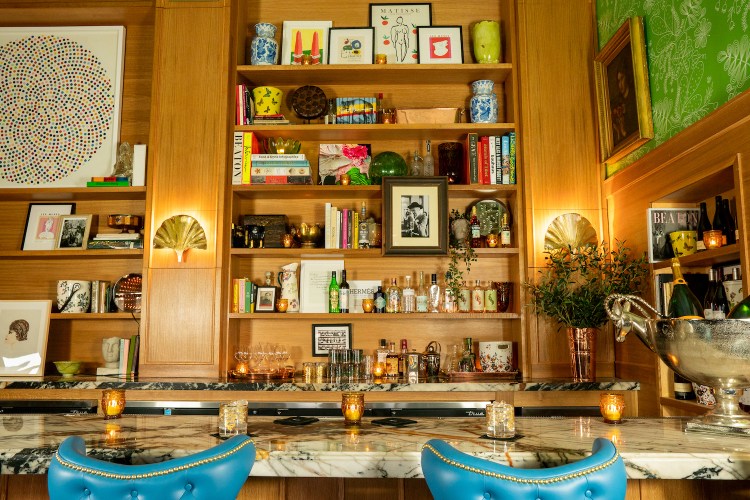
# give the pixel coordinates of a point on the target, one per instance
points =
(57, 105)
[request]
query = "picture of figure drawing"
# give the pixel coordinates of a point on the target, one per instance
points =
(18, 352)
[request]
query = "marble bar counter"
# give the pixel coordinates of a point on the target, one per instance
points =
(651, 448)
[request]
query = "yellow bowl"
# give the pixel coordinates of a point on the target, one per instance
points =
(684, 242)
(68, 368)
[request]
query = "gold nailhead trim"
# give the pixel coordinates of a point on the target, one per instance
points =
(514, 479)
(150, 474)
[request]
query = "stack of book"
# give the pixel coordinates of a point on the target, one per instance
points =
(112, 181)
(245, 108)
(490, 159)
(270, 120)
(280, 169)
(243, 295)
(116, 241)
(128, 365)
(341, 227)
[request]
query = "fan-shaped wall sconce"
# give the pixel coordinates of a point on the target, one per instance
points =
(180, 233)
(569, 229)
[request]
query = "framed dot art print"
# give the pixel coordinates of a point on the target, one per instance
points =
(60, 92)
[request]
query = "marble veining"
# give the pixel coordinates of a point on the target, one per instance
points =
(651, 448)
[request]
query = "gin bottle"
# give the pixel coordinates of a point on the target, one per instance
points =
(464, 298)
(429, 161)
(477, 297)
(449, 299)
(423, 297)
(435, 296)
(408, 298)
(393, 298)
(380, 301)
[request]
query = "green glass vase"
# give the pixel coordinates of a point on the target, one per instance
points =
(385, 164)
(485, 37)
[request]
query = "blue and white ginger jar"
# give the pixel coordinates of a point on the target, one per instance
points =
(264, 49)
(483, 102)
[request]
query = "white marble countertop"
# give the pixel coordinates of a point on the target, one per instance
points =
(651, 448)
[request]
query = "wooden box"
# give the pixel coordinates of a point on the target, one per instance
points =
(275, 226)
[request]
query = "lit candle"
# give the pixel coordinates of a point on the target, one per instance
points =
(611, 407)
(241, 367)
(111, 434)
(113, 403)
(345, 179)
(712, 238)
(352, 406)
(378, 370)
(381, 58)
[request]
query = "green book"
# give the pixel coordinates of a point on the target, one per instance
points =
(131, 353)
(108, 184)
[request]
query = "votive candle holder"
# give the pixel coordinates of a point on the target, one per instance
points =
(113, 403)
(612, 407)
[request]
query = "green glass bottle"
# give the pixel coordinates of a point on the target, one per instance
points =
(333, 295)
(741, 310)
(683, 304)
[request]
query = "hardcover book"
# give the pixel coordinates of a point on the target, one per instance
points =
(661, 222)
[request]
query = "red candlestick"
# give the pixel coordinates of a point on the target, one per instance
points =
(315, 49)
(298, 48)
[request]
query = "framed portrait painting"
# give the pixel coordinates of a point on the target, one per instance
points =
(396, 29)
(25, 324)
(622, 91)
(67, 81)
(42, 224)
(351, 45)
(73, 232)
(440, 45)
(304, 42)
(327, 337)
(415, 218)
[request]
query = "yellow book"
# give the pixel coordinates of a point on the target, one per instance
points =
(235, 295)
(249, 147)
(355, 229)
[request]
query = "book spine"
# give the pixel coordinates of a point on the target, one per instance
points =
(122, 364)
(274, 157)
(493, 160)
(235, 295)
(131, 355)
(355, 229)
(345, 228)
(114, 244)
(281, 179)
(280, 170)
(241, 296)
(136, 353)
(238, 94)
(485, 160)
(237, 159)
(95, 296)
(249, 145)
(139, 165)
(108, 184)
(249, 296)
(327, 225)
(249, 106)
(512, 168)
(505, 155)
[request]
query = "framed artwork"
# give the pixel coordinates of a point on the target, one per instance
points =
(42, 224)
(440, 45)
(265, 299)
(75, 108)
(25, 324)
(396, 29)
(73, 232)
(337, 159)
(351, 45)
(327, 337)
(661, 222)
(416, 215)
(303, 39)
(623, 96)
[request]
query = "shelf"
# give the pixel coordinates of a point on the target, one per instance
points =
(371, 316)
(72, 254)
(90, 316)
(706, 258)
(318, 192)
(375, 74)
(351, 253)
(686, 406)
(379, 132)
(74, 194)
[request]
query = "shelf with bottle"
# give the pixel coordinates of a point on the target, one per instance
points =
(94, 316)
(373, 316)
(364, 253)
(316, 192)
(721, 255)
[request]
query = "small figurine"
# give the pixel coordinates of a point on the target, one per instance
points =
(124, 162)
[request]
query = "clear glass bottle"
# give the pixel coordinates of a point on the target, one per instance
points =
(331, 112)
(343, 293)
(381, 354)
(393, 298)
(379, 299)
(391, 361)
(423, 297)
(476, 233)
(490, 298)
(429, 161)
(416, 167)
(435, 299)
(464, 298)
(477, 297)
(408, 297)
(333, 294)
(467, 358)
(505, 232)
(449, 299)
(364, 227)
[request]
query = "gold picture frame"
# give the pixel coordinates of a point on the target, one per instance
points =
(622, 91)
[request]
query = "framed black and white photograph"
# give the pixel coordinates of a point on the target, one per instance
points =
(26, 324)
(327, 337)
(265, 299)
(661, 222)
(416, 214)
(351, 45)
(42, 223)
(440, 45)
(73, 232)
(396, 29)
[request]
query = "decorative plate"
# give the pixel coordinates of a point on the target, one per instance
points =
(490, 214)
(309, 102)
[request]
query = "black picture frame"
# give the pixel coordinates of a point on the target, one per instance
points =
(330, 336)
(265, 299)
(453, 48)
(415, 218)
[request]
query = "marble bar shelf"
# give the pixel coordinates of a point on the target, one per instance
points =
(82, 382)
(652, 448)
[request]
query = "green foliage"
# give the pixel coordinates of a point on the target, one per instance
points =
(576, 281)
(462, 255)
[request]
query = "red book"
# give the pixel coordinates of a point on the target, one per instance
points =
(485, 170)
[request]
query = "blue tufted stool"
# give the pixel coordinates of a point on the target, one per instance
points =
(452, 475)
(217, 473)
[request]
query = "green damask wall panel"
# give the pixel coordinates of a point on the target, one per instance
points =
(698, 58)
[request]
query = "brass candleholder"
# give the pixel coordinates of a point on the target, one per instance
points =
(612, 407)
(352, 407)
(113, 403)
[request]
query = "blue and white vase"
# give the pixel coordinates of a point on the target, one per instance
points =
(483, 102)
(264, 49)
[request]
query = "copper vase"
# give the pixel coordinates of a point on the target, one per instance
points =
(582, 344)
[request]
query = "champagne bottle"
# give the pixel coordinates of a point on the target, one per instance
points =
(741, 310)
(719, 223)
(505, 231)
(715, 303)
(683, 304)
(333, 294)
(729, 222)
(683, 388)
(703, 225)
(344, 293)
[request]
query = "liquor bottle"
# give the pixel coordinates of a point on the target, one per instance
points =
(331, 112)
(505, 231)
(391, 361)
(476, 234)
(378, 107)
(381, 353)
(464, 298)
(333, 295)
(683, 303)
(715, 303)
(416, 169)
(729, 221)
(408, 297)
(393, 298)
(402, 358)
(364, 228)
(683, 389)
(449, 299)
(733, 287)
(741, 310)
(477, 297)
(344, 293)
(703, 225)
(435, 295)
(490, 298)
(467, 358)
(719, 223)
(379, 297)
(429, 161)
(423, 295)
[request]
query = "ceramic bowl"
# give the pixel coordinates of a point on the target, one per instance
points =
(684, 242)
(68, 368)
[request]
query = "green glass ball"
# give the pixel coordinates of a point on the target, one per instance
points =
(385, 164)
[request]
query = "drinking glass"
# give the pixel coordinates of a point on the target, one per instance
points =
(504, 295)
